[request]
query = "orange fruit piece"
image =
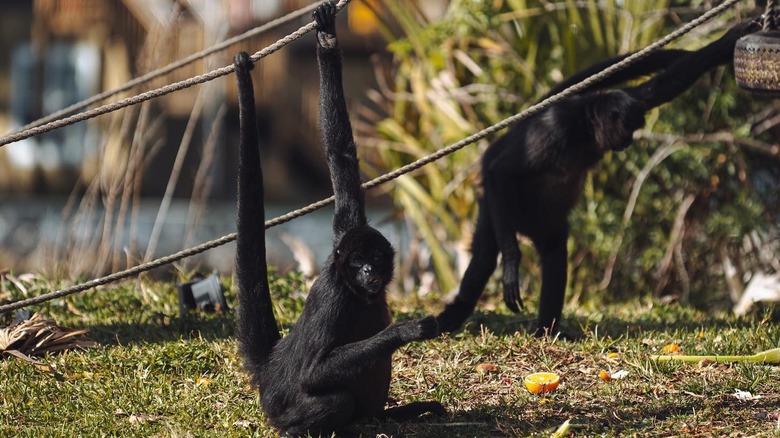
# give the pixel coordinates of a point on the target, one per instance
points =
(671, 348)
(603, 375)
(487, 368)
(539, 383)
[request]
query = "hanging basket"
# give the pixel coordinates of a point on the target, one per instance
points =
(757, 57)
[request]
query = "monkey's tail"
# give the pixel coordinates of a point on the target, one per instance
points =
(484, 253)
(257, 329)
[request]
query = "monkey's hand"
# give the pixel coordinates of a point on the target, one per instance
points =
(417, 329)
(744, 28)
(512, 293)
(243, 62)
(325, 16)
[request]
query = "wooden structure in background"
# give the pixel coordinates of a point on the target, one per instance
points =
(131, 37)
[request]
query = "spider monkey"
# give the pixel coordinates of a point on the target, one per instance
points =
(333, 368)
(533, 174)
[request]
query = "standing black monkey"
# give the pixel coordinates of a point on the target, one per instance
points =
(333, 367)
(533, 174)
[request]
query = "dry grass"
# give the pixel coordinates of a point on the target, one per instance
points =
(38, 336)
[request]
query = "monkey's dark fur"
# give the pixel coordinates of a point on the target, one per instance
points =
(533, 174)
(333, 368)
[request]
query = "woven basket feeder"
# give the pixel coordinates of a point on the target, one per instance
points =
(757, 59)
(757, 63)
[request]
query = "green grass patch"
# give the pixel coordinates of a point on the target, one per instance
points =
(156, 374)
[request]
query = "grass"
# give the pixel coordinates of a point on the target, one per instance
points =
(155, 374)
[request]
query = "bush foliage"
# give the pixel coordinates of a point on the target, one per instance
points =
(654, 219)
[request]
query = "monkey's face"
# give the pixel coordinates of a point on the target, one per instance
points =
(615, 115)
(625, 124)
(365, 259)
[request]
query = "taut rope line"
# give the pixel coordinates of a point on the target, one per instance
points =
(176, 86)
(384, 178)
(168, 68)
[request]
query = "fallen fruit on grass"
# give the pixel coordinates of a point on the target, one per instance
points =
(539, 383)
(487, 368)
(607, 377)
(671, 348)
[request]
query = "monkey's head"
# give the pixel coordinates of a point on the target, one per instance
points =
(365, 259)
(614, 115)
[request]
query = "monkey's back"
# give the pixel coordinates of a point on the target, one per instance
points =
(537, 163)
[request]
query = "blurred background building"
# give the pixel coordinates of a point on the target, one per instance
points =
(54, 53)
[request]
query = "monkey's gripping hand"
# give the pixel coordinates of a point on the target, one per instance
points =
(325, 16)
(417, 329)
(744, 28)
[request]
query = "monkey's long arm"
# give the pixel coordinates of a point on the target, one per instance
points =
(346, 362)
(682, 74)
(257, 330)
(336, 133)
(654, 61)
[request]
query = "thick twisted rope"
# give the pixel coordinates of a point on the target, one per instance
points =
(770, 17)
(162, 91)
(167, 69)
(384, 178)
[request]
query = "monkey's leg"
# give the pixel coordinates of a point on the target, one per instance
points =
(484, 253)
(554, 257)
(318, 415)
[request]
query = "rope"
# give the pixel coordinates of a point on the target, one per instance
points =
(384, 178)
(168, 68)
(214, 74)
(770, 17)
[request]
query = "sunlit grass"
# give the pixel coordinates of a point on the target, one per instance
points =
(156, 374)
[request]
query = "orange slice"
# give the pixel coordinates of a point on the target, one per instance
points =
(671, 348)
(539, 383)
(487, 368)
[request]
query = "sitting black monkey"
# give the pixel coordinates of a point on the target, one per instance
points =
(333, 368)
(533, 174)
